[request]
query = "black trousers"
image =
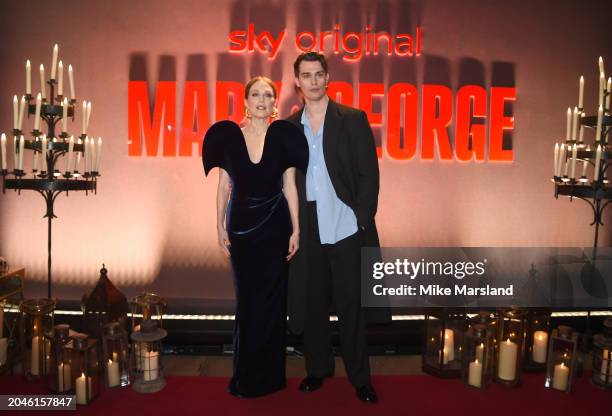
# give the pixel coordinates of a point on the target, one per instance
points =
(334, 275)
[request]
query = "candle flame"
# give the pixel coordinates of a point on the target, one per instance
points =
(476, 361)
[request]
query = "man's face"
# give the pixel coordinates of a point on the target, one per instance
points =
(312, 80)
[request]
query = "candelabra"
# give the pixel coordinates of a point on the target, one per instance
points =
(49, 181)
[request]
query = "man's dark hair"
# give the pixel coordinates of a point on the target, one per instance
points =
(310, 57)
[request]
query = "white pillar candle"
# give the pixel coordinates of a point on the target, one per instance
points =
(609, 90)
(449, 343)
(54, 61)
(92, 149)
(64, 377)
(475, 374)
(3, 350)
(597, 162)
(21, 151)
(560, 377)
(581, 93)
(599, 123)
(561, 160)
(34, 358)
(506, 366)
(150, 365)
(64, 115)
(601, 64)
(602, 88)
(555, 159)
(4, 164)
(70, 153)
(35, 161)
(37, 116)
(44, 153)
(15, 112)
(71, 81)
(84, 118)
(60, 78)
(575, 124)
(568, 125)
(112, 369)
(574, 155)
(581, 132)
(28, 78)
(540, 346)
(98, 152)
(78, 157)
(15, 153)
(21, 112)
(81, 388)
(88, 113)
(606, 366)
(42, 81)
(584, 168)
(86, 155)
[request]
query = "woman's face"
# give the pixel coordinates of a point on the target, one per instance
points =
(260, 101)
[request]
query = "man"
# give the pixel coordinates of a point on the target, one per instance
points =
(339, 200)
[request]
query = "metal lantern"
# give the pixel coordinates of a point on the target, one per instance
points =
(561, 358)
(487, 318)
(115, 358)
(509, 346)
(11, 296)
(147, 351)
(147, 306)
(536, 339)
(57, 338)
(36, 317)
(444, 330)
(103, 305)
(477, 357)
(601, 374)
(83, 372)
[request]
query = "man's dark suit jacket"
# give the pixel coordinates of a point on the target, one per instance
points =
(350, 156)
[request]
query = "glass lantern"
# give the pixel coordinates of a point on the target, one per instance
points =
(57, 338)
(477, 357)
(147, 348)
(561, 359)
(536, 339)
(487, 318)
(601, 374)
(11, 296)
(509, 346)
(36, 318)
(147, 306)
(115, 358)
(444, 330)
(82, 371)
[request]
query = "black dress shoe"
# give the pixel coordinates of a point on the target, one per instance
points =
(367, 394)
(311, 384)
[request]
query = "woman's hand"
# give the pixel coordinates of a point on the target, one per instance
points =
(294, 245)
(224, 242)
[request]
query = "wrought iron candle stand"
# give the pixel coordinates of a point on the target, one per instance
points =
(52, 182)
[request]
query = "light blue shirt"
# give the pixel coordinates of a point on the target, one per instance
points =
(336, 219)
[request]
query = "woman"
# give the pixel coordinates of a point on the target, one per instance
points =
(258, 229)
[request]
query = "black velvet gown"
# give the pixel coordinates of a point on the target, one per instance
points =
(259, 227)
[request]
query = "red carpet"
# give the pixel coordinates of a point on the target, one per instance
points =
(399, 395)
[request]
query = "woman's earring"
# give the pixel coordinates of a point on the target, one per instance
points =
(246, 112)
(274, 113)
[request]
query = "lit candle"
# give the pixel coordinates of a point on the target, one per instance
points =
(60, 76)
(584, 168)
(449, 343)
(568, 124)
(599, 123)
(597, 159)
(21, 151)
(574, 154)
(581, 93)
(540, 345)
(42, 81)
(98, 151)
(575, 124)
(82, 392)
(609, 90)
(562, 158)
(34, 363)
(78, 157)
(4, 167)
(602, 88)
(54, 61)
(64, 115)
(113, 373)
(84, 117)
(28, 78)
(92, 149)
(601, 65)
(35, 162)
(560, 377)
(37, 116)
(86, 154)
(88, 113)
(3, 350)
(70, 153)
(475, 374)
(556, 159)
(71, 81)
(15, 153)
(150, 365)
(606, 367)
(506, 368)
(581, 134)
(21, 111)
(44, 153)
(64, 377)
(15, 112)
